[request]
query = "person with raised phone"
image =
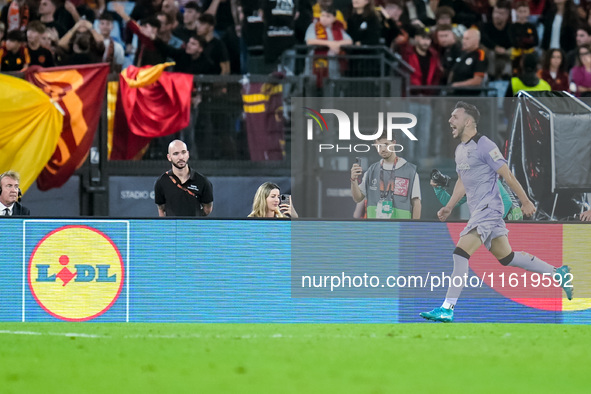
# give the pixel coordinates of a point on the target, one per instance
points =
(268, 202)
(479, 163)
(391, 185)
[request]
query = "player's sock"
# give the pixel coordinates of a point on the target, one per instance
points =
(527, 262)
(460, 257)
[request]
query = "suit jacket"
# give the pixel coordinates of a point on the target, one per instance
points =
(19, 210)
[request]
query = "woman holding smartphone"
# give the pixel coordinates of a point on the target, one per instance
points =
(270, 203)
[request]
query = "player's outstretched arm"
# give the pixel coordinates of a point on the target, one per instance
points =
(458, 193)
(527, 207)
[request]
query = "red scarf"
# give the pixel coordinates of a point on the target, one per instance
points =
(320, 68)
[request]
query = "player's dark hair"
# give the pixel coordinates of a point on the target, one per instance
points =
(470, 110)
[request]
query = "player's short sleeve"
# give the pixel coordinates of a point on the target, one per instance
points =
(159, 198)
(207, 195)
(491, 153)
(480, 63)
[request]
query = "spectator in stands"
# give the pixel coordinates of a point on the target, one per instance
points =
(15, 15)
(554, 70)
(215, 127)
(114, 53)
(14, 56)
(39, 55)
(2, 31)
(426, 11)
(363, 25)
(165, 30)
(146, 54)
(226, 14)
(527, 79)
(227, 24)
(560, 22)
(469, 12)
(320, 4)
(279, 28)
(87, 9)
(581, 73)
(583, 37)
(49, 41)
(47, 10)
(524, 36)
(267, 203)
(171, 7)
(145, 9)
(497, 41)
(470, 68)
(190, 59)
(191, 16)
(423, 57)
(395, 24)
(586, 216)
(445, 16)
(329, 34)
(450, 49)
(68, 14)
(214, 47)
(81, 45)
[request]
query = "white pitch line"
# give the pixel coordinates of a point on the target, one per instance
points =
(58, 334)
(229, 336)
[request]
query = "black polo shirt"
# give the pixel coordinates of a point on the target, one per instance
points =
(469, 65)
(178, 201)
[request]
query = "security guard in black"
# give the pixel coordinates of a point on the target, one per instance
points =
(181, 191)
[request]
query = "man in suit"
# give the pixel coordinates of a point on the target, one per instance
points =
(9, 206)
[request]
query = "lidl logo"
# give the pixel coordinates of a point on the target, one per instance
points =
(76, 273)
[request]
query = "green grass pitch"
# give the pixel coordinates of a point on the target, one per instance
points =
(293, 358)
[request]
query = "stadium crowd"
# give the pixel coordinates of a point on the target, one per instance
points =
(448, 42)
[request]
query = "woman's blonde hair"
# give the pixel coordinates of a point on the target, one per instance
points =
(259, 204)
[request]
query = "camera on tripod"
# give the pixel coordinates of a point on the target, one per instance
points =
(439, 179)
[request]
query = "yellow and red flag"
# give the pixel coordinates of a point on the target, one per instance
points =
(151, 103)
(79, 90)
(29, 130)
